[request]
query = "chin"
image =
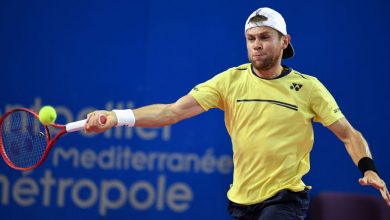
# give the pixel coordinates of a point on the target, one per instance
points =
(260, 65)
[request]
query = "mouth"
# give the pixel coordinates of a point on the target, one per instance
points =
(258, 56)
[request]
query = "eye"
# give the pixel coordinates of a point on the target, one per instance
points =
(265, 37)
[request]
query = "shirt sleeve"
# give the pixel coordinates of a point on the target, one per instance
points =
(326, 111)
(210, 94)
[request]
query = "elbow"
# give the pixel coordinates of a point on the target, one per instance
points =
(350, 135)
(172, 119)
(356, 133)
(175, 120)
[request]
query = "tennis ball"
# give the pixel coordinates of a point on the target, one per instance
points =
(47, 115)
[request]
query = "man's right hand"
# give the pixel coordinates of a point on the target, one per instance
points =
(100, 121)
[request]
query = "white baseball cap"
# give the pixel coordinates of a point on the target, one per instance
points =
(274, 20)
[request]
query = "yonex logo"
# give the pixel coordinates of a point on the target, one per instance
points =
(296, 86)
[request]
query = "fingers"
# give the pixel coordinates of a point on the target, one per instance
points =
(96, 122)
(385, 194)
(89, 124)
(378, 183)
(363, 181)
(372, 179)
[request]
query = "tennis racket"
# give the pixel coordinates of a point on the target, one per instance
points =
(25, 142)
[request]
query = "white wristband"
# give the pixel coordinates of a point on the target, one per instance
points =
(125, 117)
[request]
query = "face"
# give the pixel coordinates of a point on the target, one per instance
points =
(265, 47)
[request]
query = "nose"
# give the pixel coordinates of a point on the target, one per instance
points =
(257, 45)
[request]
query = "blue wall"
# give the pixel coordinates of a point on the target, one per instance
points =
(84, 55)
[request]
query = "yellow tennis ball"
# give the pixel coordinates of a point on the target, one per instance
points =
(47, 115)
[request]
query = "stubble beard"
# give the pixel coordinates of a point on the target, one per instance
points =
(264, 64)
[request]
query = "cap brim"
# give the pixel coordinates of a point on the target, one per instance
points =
(288, 52)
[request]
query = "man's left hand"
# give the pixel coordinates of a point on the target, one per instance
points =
(371, 178)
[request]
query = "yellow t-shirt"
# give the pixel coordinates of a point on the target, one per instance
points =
(270, 124)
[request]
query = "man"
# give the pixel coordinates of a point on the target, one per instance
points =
(268, 113)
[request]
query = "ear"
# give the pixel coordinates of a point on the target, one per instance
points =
(286, 40)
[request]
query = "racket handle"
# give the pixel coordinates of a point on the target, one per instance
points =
(75, 126)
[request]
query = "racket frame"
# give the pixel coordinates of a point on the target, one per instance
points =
(50, 142)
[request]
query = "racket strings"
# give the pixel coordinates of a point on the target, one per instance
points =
(24, 139)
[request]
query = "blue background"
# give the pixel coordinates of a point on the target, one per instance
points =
(86, 55)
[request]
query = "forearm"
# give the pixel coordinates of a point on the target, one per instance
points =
(357, 146)
(161, 115)
(150, 116)
(156, 115)
(353, 140)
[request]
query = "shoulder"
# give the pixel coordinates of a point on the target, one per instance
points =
(312, 83)
(307, 77)
(237, 71)
(242, 67)
(233, 72)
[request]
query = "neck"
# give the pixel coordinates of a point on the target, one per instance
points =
(269, 73)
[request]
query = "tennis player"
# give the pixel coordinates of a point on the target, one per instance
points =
(269, 110)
